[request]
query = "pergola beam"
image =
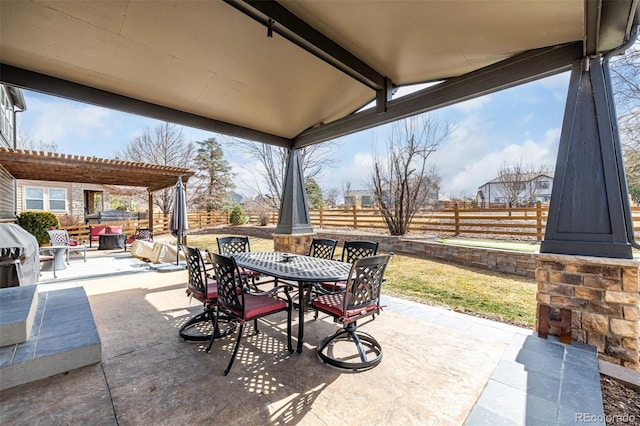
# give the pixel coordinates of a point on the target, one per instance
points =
(78, 92)
(523, 68)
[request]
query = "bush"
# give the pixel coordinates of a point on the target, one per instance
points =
(236, 217)
(37, 224)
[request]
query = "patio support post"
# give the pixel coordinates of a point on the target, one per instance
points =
(585, 263)
(589, 209)
(294, 231)
(150, 214)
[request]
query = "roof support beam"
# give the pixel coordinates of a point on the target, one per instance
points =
(67, 89)
(278, 19)
(511, 72)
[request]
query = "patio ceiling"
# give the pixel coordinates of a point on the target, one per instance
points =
(72, 168)
(294, 73)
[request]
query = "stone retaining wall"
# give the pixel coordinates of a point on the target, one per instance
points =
(507, 261)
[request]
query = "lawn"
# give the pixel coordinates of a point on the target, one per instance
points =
(498, 296)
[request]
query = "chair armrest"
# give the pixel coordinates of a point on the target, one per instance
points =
(272, 291)
(322, 290)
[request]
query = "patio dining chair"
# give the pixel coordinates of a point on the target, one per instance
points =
(352, 251)
(239, 303)
(323, 248)
(361, 299)
(204, 289)
(141, 234)
(60, 237)
(228, 246)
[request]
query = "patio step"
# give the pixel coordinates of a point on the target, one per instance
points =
(63, 337)
(18, 309)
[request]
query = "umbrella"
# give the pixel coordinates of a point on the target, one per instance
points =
(178, 224)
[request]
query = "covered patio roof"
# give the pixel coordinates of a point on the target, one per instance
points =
(294, 73)
(72, 168)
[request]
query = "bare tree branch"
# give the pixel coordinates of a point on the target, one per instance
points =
(403, 181)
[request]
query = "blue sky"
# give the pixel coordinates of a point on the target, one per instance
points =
(518, 123)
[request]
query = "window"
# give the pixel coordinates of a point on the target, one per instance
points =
(542, 184)
(34, 199)
(366, 201)
(57, 199)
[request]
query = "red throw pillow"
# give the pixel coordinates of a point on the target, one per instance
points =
(97, 230)
(114, 229)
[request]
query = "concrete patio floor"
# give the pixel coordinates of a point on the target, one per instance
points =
(439, 367)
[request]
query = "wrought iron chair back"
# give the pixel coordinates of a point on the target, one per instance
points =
(354, 250)
(322, 248)
(231, 245)
(198, 279)
(362, 294)
(230, 283)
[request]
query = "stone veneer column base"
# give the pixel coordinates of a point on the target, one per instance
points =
(297, 243)
(602, 294)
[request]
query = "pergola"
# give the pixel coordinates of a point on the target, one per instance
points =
(79, 169)
(296, 73)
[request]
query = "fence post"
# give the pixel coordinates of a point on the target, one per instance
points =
(355, 217)
(456, 215)
(539, 221)
(321, 217)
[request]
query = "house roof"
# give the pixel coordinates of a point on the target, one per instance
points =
(523, 177)
(49, 166)
(294, 73)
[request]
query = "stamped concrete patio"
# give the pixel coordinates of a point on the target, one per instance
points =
(439, 367)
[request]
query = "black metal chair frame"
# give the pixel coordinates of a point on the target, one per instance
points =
(360, 299)
(141, 234)
(237, 244)
(233, 291)
(203, 288)
(354, 250)
(322, 248)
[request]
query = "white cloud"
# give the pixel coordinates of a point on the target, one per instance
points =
(478, 171)
(473, 104)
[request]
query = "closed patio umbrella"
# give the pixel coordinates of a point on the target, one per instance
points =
(178, 224)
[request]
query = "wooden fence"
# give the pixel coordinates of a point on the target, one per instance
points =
(523, 223)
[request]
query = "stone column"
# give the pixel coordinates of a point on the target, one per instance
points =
(297, 243)
(603, 296)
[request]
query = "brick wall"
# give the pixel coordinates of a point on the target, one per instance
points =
(603, 296)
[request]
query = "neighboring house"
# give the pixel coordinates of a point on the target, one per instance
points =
(11, 103)
(62, 198)
(531, 187)
(361, 198)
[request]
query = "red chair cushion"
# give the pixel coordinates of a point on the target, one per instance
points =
(332, 304)
(212, 293)
(255, 306)
(73, 243)
(96, 230)
(114, 229)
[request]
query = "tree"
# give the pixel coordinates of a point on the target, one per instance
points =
(331, 197)
(625, 76)
(313, 159)
(314, 193)
(212, 184)
(403, 181)
(518, 182)
(164, 146)
(27, 141)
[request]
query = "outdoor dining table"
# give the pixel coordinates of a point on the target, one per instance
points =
(292, 267)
